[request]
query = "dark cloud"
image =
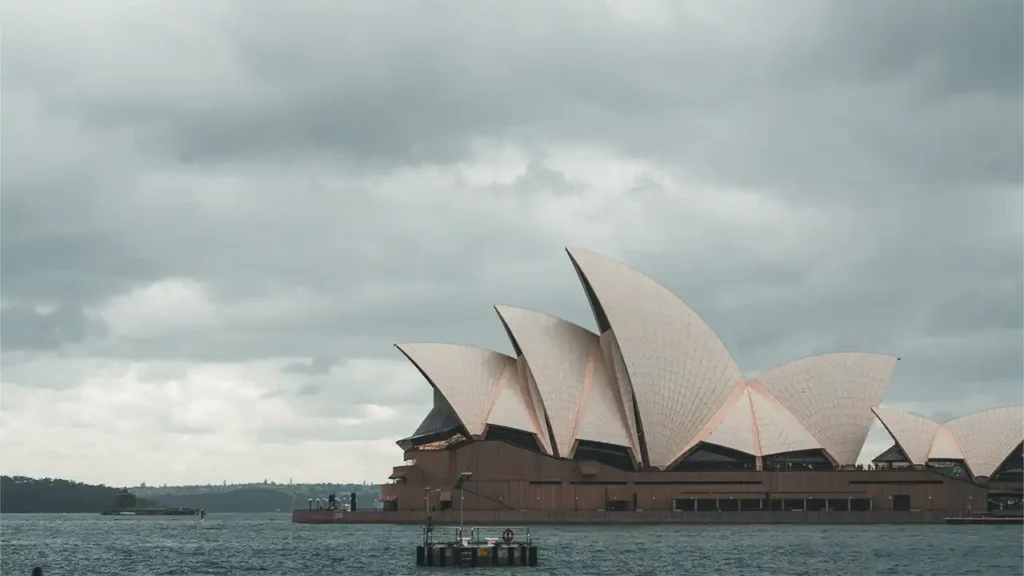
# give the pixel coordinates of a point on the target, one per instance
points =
(25, 328)
(318, 365)
(829, 177)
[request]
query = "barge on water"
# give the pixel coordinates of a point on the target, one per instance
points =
(126, 504)
(154, 512)
(474, 550)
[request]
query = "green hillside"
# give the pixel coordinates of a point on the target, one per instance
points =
(19, 494)
(258, 497)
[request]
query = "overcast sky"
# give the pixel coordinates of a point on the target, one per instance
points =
(218, 216)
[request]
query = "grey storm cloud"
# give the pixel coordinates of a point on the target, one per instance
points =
(24, 328)
(316, 366)
(248, 149)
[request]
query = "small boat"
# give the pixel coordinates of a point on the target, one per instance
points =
(125, 504)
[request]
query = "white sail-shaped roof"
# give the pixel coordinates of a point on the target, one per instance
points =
(482, 386)
(466, 376)
(988, 437)
(754, 422)
(912, 433)
(659, 381)
(944, 446)
(679, 370)
(616, 367)
(541, 419)
(602, 417)
(982, 440)
(778, 430)
(832, 396)
(565, 361)
(509, 407)
(736, 428)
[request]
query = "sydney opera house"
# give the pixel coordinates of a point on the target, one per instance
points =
(649, 418)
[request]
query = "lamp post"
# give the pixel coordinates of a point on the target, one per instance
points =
(459, 482)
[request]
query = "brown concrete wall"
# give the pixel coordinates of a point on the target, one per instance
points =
(507, 478)
(535, 518)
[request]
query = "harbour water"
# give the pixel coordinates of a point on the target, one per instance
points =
(235, 544)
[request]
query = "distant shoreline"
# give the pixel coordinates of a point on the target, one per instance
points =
(23, 495)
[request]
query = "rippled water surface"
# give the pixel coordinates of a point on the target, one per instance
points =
(270, 544)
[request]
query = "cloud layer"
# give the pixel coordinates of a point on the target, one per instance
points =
(217, 218)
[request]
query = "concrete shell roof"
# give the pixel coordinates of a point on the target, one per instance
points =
(982, 439)
(579, 396)
(679, 370)
(482, 386)
(832, 396)
(914, 434)
(660, 370)
(682, 374)
(987, 437)
(753, 421)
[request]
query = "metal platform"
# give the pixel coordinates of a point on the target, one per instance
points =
(471, 548)
(474, 549)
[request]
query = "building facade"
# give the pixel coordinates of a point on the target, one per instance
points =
(651, 413)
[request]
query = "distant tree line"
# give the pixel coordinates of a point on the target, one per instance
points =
(303, 490)
(263, 499)
(19, 494)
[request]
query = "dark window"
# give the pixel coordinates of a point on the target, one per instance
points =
(901, 503)
(711, 457)
(441, 428)
(816, 504)
(728, 505)
(860, 504)
(892, 456)
(707, 505)
(951, 468)
(799, 460)
(614, 456)
(699, 482)
(616, 506)
(1005, 502)
(1012, 469)
(512, 436)
(684, 504)
(902, 482)
(747, 505)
